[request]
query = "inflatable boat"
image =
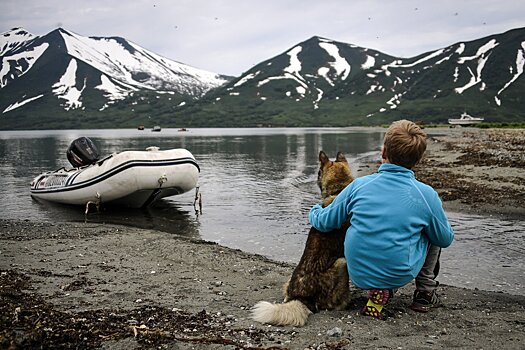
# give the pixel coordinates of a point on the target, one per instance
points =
(130, 178)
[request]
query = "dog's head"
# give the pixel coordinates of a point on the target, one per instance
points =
(333, 176)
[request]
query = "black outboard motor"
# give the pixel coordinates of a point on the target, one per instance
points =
(82, 152)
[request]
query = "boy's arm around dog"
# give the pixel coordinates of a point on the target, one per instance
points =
(430, 214)
(334, 215)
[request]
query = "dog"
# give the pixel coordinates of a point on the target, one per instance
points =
(320, 280)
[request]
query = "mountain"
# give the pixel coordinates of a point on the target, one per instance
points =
(63, 79)
(321, 82)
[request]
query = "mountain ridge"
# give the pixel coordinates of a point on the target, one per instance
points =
(317, 82)
(483, 76)
(65, 72)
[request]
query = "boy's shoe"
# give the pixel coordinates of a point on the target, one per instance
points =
(424, 301)
(380, 296)
(372, 311)
(377, 298)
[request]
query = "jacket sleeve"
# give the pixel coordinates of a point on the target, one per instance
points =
(439, 231)
(333, 216)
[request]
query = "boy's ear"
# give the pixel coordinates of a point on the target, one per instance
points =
(323, 158)
(383, 153)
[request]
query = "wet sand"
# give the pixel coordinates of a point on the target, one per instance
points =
(89, 285)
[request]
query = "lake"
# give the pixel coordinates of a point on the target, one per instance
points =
(257, 186)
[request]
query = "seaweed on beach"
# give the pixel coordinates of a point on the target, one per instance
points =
(27, 321)
(491, 149)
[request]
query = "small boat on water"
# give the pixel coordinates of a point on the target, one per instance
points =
(130, 178)
(156, 128)
(465, 119)
(140, 127)
(183, 129)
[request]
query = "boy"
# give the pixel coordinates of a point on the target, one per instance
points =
(397, 224)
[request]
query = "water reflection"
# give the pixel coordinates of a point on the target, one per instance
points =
(164, 216)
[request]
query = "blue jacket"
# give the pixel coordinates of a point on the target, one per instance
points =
(393, 217)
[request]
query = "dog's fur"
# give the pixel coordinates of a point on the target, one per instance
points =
(320, 280)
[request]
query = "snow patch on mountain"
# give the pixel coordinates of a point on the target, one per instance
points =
(371, 89)
(107, 56)
(295, 64)
(341, 65)
(113, 92)
(14, 39)
(323, 71)
(135, 66)
(319, 98)
(120, 66)
(399, 63)
(482, 51)
(460, 49)
(482, 56)
(292, 71)
(520, 64)
(66, 88)
(207, 79)
(369, 63)
(14, 66)
(21, 103)
(446, 58)
(246, 78)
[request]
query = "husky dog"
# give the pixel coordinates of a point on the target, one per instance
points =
(320, 280)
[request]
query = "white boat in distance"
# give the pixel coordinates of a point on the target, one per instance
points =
(465, 119)
(130, 178)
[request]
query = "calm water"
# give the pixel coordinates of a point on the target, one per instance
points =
(257, 186)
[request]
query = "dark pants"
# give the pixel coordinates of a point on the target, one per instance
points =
(426, 279)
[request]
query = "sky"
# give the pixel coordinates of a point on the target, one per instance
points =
(231, 36)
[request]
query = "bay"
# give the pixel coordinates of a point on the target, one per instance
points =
(257, 186)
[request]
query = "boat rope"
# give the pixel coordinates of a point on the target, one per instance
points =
(198, 197)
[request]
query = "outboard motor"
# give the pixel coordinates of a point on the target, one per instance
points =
(82, 152)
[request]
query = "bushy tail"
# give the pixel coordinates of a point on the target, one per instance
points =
(292, 313)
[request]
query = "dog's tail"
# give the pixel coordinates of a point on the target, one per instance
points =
(292, 313)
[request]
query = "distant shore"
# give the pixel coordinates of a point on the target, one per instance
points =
(91, 285)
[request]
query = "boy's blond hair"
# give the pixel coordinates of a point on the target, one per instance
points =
(405, 143)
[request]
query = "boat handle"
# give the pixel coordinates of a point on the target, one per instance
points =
(162, 179)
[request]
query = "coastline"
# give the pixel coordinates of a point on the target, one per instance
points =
(107, 286)
(479, 171)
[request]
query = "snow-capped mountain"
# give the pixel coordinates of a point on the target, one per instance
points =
(68, 71)
(325, 82)
(63, 80)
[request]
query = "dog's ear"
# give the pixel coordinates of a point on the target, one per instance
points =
(323, 158)
(340, 157)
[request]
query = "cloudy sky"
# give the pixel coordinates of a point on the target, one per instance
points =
(230, 36)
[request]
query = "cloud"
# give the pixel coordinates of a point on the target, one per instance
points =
(230, 36)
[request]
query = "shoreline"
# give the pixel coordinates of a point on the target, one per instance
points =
(110, 286)
(93, 285)
(471, 169)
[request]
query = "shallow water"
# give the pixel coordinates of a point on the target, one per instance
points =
(257, 186)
